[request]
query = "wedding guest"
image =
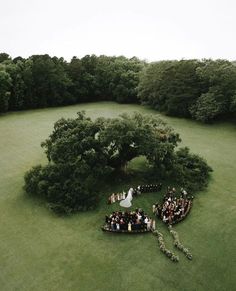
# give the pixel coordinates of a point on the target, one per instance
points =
(113, 200)
(165, 218)
(113, 225)
(153, 208)
(129, 226)
(153, 224)
(123, 195)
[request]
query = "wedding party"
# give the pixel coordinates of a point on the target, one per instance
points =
(129, 221)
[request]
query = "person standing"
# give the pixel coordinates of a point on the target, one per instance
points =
(129, 226)
(153, 224)
(153, 208)
(123, 195)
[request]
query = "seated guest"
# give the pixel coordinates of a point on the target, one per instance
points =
(173, 209)
(165, 218)
(133, 220)
(113, 225)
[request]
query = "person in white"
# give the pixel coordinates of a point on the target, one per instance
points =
(129, 226)
(123, 195)
(153, 224)
(113, 198)
(127, 201)
(153, 208)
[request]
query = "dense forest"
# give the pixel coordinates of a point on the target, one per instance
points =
(204, 90)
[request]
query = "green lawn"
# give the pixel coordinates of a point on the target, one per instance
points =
(40, 251)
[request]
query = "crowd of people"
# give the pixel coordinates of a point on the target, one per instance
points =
(129, 221)
(149, 188)
(136, 191)
(116, 197)
(174, 208)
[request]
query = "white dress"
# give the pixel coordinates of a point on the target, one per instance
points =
(127, 201)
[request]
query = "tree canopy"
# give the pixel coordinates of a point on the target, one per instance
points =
(82, 153)
(43, 81)
(203, 90)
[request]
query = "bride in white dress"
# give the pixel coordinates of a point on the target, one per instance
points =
(127, 201)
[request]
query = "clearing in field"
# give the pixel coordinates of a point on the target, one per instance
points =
(41, 251)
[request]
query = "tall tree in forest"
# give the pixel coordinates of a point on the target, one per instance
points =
(219, 80)
(4, 57)
(170, 86)
(5, 84)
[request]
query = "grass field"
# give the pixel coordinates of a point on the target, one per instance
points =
(40, 251)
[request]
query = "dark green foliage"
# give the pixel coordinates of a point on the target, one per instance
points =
(44, 81)
(5, 83)
(78, 164)
(18, 99)
(207, 107)
(32, 179)
(4, 57)
(83, 153)
(130, 136)
(104, 78)
(190, 170)
(63, 186)
(50, 83)
(170, 86)
(233, 104)
(203, 90)
(219, 77)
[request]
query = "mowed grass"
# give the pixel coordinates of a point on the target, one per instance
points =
(40, 251)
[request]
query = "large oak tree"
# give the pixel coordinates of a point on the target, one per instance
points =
(82, 153)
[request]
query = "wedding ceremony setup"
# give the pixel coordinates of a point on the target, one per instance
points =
(117, 145)
(174, 208)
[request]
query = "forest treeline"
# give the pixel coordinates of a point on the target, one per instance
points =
(204, 90)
